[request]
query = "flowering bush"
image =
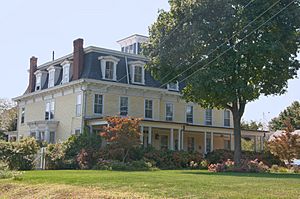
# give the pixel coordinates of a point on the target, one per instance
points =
(122, 166)
(253, 166)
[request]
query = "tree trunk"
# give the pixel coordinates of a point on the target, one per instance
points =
(237, 138)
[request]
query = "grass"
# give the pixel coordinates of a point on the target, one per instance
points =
(158, 184)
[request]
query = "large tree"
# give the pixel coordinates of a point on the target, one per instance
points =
(290, 114)
(227, 52)
(8, 115)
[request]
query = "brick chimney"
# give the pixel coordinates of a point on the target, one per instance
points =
(32, 70)
(78, 58)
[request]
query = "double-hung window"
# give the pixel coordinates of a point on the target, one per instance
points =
(38, 82)
(98, 104)
(109, 70)
(169, 112)
(189, 114)
(208, 117)
(66, 73)
(51, 78)
(49, 112)
(78, 105)
(226, 118)
(123, 106)
(138, 74)
(148, 109)
(173, 86)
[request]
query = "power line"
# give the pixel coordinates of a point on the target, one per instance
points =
(239, 41)
(248, 4)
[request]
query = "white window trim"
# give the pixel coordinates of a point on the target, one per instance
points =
(66, 65)
(98, 114)
(103, 60)
(172, 112)
(212, 120)
(127, 106)
(77, 129)
(152, 109)
(224, 118)
(52, 69)
(39, 74)
(172, 89)
(192, 114)
(132, 65)
(50, 107)
(78, 114)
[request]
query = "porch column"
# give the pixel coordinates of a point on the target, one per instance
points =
(149, 135)
(47, 135)
(172, 139)
(211, 141)
(179, 139)
(262, 143)
(205, 151)
(142, 135)
(182, 139)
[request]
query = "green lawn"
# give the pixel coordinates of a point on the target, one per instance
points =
(172, 184)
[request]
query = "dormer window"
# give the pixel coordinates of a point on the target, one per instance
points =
(53, 75)
(51, 79)
(173, 86)
(40, 77)
(137, 72)
(109, 67)
(38, 82)
(66, 71)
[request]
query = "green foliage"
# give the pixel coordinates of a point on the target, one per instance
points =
(220, 156)
(291, 114)
(194, 36)
(19, 155)
(115, 165)
(247, 144)
(252, 125)
(77, 152)
(8, 115)
(5, 172)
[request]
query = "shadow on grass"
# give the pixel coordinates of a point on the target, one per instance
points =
(236, 174)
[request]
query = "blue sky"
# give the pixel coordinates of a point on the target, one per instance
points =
(36, 28)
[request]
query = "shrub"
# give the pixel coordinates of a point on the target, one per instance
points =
(122, 166)
(19, 155)
(221, 155)
(6, 173)
(55, 156)
(204, 164)
(274, 168)
(295, 169)
(252, 166)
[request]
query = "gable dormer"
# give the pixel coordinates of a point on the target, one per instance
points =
(54, 72)
(41, 77)
(137, 72)
(132, 44)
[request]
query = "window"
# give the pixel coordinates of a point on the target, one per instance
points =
(22, 115)
(191, 144)
(98, 104)
(208, 116)
(52, 138)
(169, 112)
(38, 82)
(164, 142)
(66, 73)
(51, 78)
(49, 112)
(226, 118)
(173, 86)
(109, 67)
(109, 70)
(148, 109)
(33, 134)
(189, 114)
(123, 106)
(208, 142)
(78, 105)
(138, 74)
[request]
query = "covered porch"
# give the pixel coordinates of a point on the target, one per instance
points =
(187, 137)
